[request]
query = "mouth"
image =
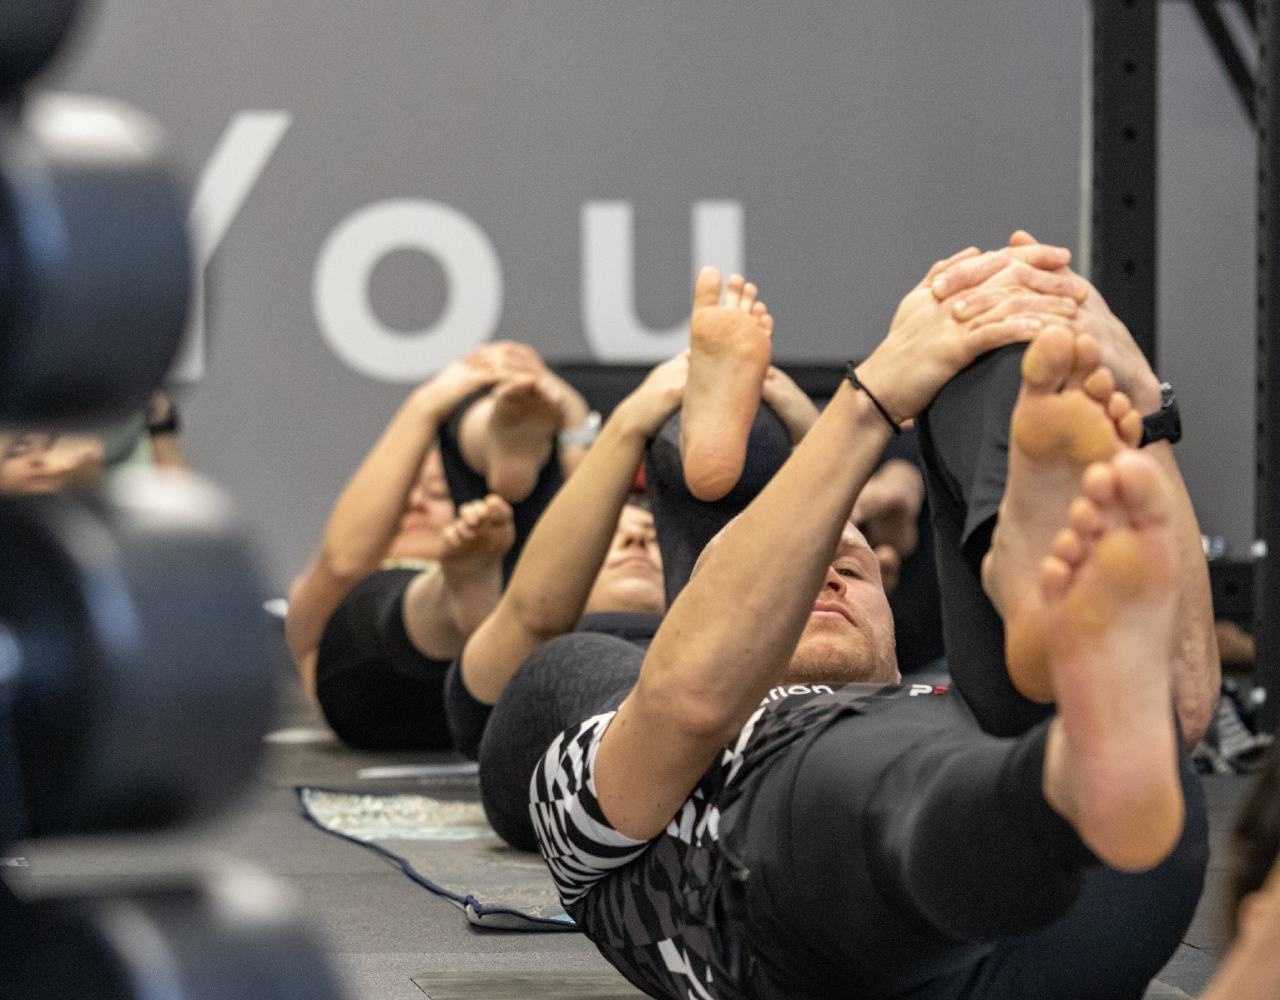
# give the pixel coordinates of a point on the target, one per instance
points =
(416, 522)
(827, 608)
(635, 561)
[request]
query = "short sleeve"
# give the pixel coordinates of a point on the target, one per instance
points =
(579, 845)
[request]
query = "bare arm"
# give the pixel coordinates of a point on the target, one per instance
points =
(366, 515)
(796, 410)
(549, 587)
(712, 662)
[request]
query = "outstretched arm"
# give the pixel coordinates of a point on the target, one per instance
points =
(730, 635)
(549, 587)
(366, 515)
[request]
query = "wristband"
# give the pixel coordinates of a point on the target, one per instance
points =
(852, 376)
(584, 434)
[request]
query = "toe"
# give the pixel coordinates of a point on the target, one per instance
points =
(1100, 385)
(749, 292)
(1100, 484)
(1130, 428)
(1055, 577)
(1087, 357)
(1069, 547)
(707, 287)
(733, 290)
(1140, 487)
(1048, 360)
(1084, 518)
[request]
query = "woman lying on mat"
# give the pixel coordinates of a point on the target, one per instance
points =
(398, 581)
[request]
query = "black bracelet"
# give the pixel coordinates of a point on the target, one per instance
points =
(852, 376)
(166, 425)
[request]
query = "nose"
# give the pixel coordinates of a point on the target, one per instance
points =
(834, 582)
(632, 538)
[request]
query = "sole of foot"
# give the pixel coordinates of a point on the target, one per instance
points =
(730, 347)
(1107, 599)
(1068, 414)
(527, 415)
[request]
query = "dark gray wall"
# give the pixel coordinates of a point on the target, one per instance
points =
(838, 148)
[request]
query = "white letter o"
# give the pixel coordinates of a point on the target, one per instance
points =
(340, 291)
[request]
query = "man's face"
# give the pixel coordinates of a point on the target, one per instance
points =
(26, 465)
(849, 634)
(631, 577)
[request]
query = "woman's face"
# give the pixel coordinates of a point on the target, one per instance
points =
(27, 465)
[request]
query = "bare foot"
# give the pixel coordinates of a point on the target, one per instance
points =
(471, 561)
(1106, 602)
(527, 414)
(729, 356)
(1068, 415)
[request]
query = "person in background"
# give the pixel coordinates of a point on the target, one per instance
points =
(46, 462)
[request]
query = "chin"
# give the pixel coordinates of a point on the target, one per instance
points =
(630, 595)
(845, 657)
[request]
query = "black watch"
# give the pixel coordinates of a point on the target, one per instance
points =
(1165, 424)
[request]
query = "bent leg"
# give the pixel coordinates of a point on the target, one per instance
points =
(964, 438)
(466, 483)
(567, 680)
(684, 523)
(935, 860)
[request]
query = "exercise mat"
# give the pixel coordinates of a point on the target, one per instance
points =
(448, 848)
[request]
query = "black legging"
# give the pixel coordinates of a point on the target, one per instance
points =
(933, 868)
(964, 435)
(467, 484)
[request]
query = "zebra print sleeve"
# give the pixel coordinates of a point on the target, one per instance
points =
(576, 840)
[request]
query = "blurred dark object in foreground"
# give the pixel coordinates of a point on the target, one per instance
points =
(135, 681)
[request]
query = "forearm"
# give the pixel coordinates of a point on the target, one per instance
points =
(553, 577)
(1197, 666)
(367, 513)
(798, 517)
(730, 634)
(551, 581)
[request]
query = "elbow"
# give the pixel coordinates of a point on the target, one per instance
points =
(696, 716)
(346, 570)
(537, 619)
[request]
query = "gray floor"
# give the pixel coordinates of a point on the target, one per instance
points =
(387, 938)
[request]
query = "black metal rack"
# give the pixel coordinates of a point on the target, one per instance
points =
(1124, 234)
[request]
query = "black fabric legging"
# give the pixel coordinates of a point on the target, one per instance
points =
(466, 484)
(964, 436)
(685, 524)
(935, 869)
